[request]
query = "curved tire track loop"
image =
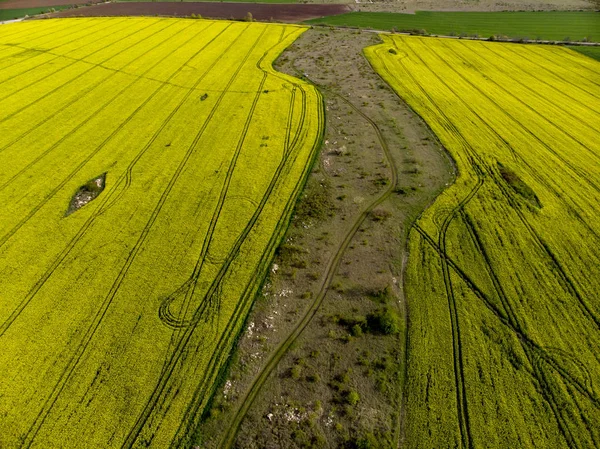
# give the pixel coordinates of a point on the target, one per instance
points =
(216, 366)
(89, 334)
(180, 343)
(330, 271)
(194, 276)
(106, 202)
(89, 89)
(533, 351)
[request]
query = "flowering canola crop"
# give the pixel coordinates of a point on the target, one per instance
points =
(503, 279)
(117, 319)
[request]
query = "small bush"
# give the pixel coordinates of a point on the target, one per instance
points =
(352, 398)
(379, 214)
(295, 372)
(313, 378)
(384, 321)
(356, 330)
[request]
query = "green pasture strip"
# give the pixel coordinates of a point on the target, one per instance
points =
(550, 25)
(10, 14)
(591, 52)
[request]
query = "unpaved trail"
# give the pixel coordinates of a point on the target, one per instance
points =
(379, 160)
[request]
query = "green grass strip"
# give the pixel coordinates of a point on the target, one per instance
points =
(591, 52)
(10, 14)
(546, 25)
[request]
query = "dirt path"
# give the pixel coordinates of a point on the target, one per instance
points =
(300, 359)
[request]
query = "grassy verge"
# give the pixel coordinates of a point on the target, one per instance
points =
(10, 14)
(551, 25)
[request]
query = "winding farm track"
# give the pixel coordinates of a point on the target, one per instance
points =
(330, 270)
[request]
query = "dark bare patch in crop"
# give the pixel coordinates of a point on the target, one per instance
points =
(519, 186)
(86, 193)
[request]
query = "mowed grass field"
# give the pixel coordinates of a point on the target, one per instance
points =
(504, 269)
(116, 320)
(550, 25)
(10, 14)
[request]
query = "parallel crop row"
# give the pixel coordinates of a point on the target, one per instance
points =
(504, 272)
(116, 320)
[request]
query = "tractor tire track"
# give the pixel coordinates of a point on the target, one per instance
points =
(177, 353)
(83, 123)
(7, 236)
(68, 82)
(91, 88)
(21, 29)
(194, 409)
(22, 45)
(107, 199)
(461, 400)
(201, 394)
(490, 48)
(50, 75)
(527, 106)
(519, 124)
(88, 336)
(558, 75)
(228, 439)
(558, 418)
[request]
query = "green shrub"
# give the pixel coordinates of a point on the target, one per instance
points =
(352, 397)
(384, 321)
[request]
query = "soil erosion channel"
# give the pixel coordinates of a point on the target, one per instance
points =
(314, 366)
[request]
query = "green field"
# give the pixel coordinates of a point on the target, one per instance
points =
(116, 319)
(552, 25)
(10, 14)
(591, 52)
(504, 270)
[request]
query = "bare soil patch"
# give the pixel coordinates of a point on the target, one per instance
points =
(86, 193)
(221, 10)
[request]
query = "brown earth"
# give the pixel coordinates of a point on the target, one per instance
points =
(259, 11)
(20, 4)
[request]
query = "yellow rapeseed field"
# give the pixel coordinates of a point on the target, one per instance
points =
(116, 319)
(503, 280)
